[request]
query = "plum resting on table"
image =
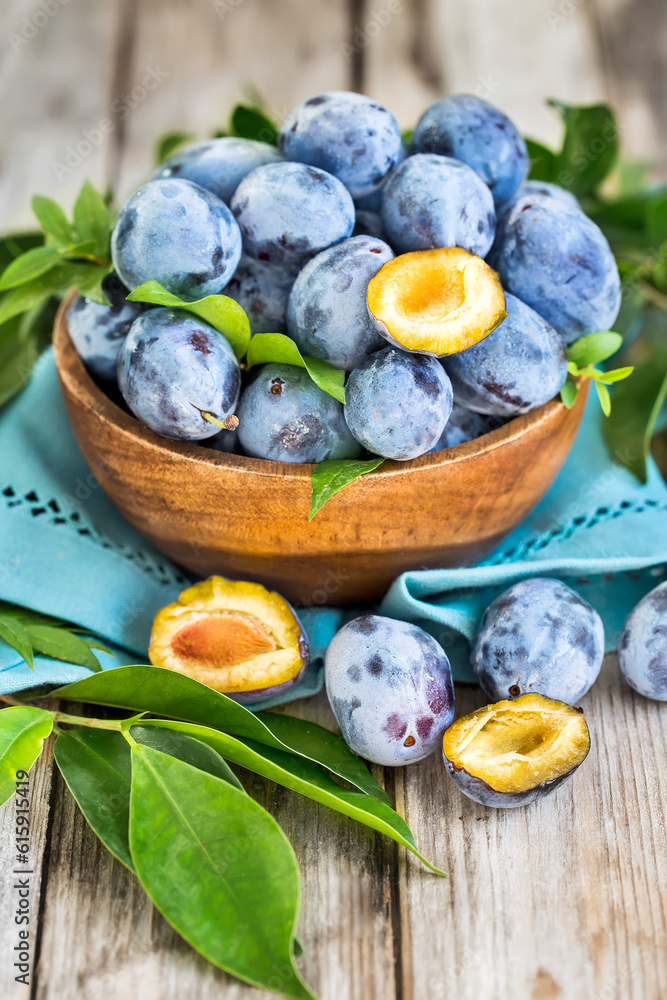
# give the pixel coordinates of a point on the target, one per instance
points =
(327, 314)
(219, 165)
(98, 332)
(289, 211)
(470, 130)
(642, 648)
(539, 636)
(285, 417)
(434, 201)
(390, 687)
(172, 369)
(519, 366)
(175, 232)
(397, 404)
(347, 134)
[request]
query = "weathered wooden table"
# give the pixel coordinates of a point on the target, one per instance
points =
(564, 899)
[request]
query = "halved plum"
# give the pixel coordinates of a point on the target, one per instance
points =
(513, 752)
(237, 637)
(436, 302)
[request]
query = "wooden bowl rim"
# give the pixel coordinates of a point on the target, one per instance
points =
(75, 375)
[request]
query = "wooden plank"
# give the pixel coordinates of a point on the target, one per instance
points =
(562, 899)
(55, 76)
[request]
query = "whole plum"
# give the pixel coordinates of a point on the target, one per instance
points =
(98, 332)
(285, 417)
(347, 134)
(539, 636)
(327, 314)
(390, 687)
(262, 290)
(397, 404)
(434, 201)
(219, 165)
(290, 211)
(172, 369)
(473, 131)
(543, 189)
(519, 366)
(464, 425)
(558, 261)
(642, 648)
(175, 232)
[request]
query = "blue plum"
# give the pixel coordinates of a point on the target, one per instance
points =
(541, 637)
(175, 232)
(464, 425)
(543, 189)
(290, 211)
(473, 131)
(285, 417)
(349, 135)
(642, 648)
(368, 224)
(327, 314)
(219, 165)
(397, 404)
(434, 201)
(98, 331)
(390, 687)
(557, 261)
(262, 290)
(172, 369)
(519, 366)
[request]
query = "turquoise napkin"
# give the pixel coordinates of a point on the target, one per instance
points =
(66, 551)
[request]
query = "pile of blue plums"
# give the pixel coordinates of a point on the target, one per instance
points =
(480, 280)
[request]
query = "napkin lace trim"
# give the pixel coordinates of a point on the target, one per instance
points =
(525, 549)
(53, 512)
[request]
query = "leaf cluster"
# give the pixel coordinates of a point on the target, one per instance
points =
(29, 632)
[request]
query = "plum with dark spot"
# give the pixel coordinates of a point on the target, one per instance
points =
(327, 314)
(556, 260)
(642, 648)
(172, 369)
(434, 201)
(390, 686)
(290, 211)
(347, 134)
(285, 417)
(262, 290)
(473, 131)
(175, 232)
(219, 165)
(98, 331)
(519, 366)
(546, 190)
(464, 425)
(397, 404)
(539, 636)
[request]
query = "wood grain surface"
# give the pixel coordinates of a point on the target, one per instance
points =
(563, 900)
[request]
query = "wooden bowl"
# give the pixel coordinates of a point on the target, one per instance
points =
(247, 518)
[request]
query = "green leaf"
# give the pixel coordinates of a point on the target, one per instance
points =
(306, 778)
(16, 635)
(53, 220)
(590, 146)
(637, 405)
(542, 161)
(56, 281)
(407, 136)
(222, 313)
(218, 868)
(91, 218)
(603, 396)
(615, 375)
(187, 749)
(15, 244)
(29, 265)
(330, 477)
(95, 764)
(277, 347)
(656, 219)
(164, 692)
(167, 145)
(249, 122)
(22, 733)
(595, 347)
(569, 392)
(61, 644)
